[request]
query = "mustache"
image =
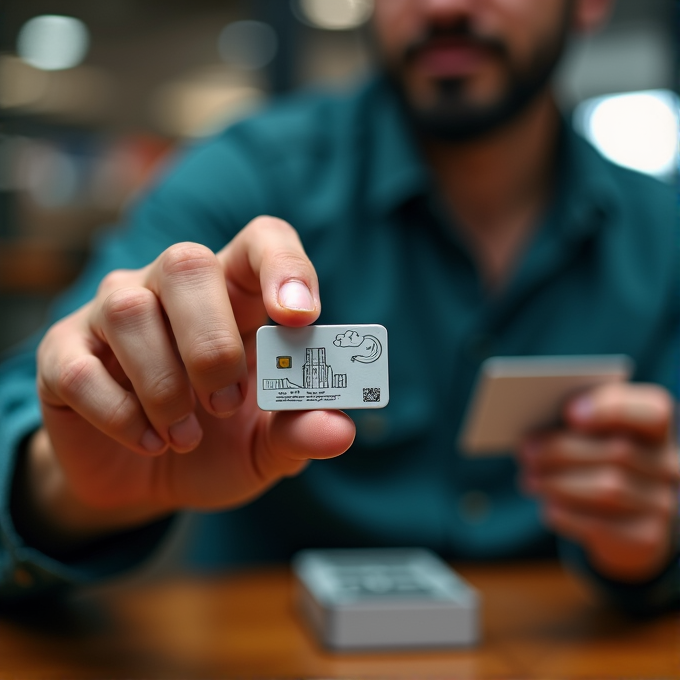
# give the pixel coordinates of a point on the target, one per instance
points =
(461, 34)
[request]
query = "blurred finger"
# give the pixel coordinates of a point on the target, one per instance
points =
(602, 490)
(557, 451)
(645, 410)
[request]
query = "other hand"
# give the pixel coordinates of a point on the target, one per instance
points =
(609, 481)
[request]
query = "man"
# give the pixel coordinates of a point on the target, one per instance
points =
(447, 201)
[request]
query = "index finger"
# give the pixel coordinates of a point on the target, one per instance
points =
(643, 410)
(268, 273)
(557, 451)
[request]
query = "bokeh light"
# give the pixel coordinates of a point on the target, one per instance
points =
(51, 42)
(196, 108)
(21, 85)
(11, 150)
(249, 45)
(637, 130)
(49, 175)
(333, 15)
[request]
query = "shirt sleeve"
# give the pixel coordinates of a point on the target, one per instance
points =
(206, 197)
(659, 594)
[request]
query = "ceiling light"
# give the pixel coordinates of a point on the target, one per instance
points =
(52, 43)
(249, 45)
(333, 15)
(637, 130)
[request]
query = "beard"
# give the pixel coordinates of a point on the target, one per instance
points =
(453, 116)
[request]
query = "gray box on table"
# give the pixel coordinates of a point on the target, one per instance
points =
(385, 598)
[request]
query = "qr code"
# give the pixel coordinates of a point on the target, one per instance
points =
(371, 394)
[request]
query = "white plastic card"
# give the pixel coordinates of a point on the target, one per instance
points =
(322, 367)
(515, 396)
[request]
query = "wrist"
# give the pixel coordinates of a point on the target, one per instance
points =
(639, 566)
(50, 516)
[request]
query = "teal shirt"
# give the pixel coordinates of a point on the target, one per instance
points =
(599, 277)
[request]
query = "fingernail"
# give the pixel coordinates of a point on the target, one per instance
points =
(295, 295)
(186, 433)
(582, 408)
(227, 400)
(152, 442)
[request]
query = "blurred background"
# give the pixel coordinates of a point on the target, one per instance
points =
(95, 95)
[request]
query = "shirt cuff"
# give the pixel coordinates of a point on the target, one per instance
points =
(27, 572)
(654, 596)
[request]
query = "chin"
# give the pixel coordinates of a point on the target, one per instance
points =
(453, 116)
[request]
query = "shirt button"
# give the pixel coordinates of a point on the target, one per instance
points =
(474, 506)
(23, 577)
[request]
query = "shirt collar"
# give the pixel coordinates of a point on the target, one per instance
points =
(586, 191)
(586, 200)
(397, 171)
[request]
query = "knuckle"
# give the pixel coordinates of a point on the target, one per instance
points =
(657, 536)
(672, 466)
(668, 465)
(118, 278)
(54, 366)
(126, 305)
(183, 258)
(612, 491)
(647, 541)
(620, 451)
(608, 396)
(608, 391)
(164, 391)
(122, 415)
(213, 350)
(667, 505)
(663, 402)
(49, 340)
(561, 447)
(73, 376)
(612, 406)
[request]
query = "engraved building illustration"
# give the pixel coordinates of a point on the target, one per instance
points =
(317, 374)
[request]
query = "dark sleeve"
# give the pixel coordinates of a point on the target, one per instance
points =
(659, 594)
(211, 193)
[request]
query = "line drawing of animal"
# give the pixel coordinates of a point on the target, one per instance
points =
(370, 346)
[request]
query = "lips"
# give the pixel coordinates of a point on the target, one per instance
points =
(451, 59)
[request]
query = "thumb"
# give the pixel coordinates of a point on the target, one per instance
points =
(288, 439)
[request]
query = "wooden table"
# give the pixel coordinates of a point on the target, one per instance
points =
(538, 623)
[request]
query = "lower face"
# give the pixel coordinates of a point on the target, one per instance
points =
(464, 71)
